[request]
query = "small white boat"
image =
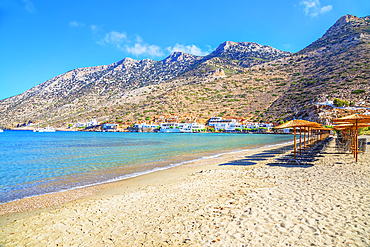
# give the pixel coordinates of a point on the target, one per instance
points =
(1, 130)
(46, 129)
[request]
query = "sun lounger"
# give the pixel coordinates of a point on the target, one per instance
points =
(299, 161)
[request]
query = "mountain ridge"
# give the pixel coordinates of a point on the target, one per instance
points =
(254, 81)
(119, 77)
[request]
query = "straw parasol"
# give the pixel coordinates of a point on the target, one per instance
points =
(354, 118)
(350, 126)
(322, 131)
(354, 121)
(298, 123)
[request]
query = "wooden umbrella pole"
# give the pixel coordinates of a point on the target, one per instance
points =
(356, 133)
(295, 146)
(312, 137)
(304, 139)
(319, 135)
(350, 139)
(300, 140)
(353, 143)
(308, 132)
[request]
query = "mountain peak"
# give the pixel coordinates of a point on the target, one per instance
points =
(346, 19)
(348, 30)
(128, 59)
(222, 47)
(249, 53)
(178, 56)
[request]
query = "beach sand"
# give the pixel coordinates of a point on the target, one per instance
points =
(239, 199)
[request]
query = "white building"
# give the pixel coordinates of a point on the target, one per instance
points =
(79, 125)
(110, 127)
(256, 126)
(219, 123)
(191, 127)
(92, 123)
(170, 128)
(145, 125)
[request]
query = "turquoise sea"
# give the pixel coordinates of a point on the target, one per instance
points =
(37, 163)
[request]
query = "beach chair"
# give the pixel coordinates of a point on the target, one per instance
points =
(362, 144)
(289, 158)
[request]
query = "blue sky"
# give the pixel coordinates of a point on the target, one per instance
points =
(40, 39)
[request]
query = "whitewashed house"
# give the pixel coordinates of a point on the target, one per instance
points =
(92, 123)
(219, 123)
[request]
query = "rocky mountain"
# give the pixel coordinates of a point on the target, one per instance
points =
(334, 66)
(93, 87)
(248, 53)
(245, 80)
(347, 31)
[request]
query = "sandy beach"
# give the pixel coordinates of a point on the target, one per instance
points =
(239, 199)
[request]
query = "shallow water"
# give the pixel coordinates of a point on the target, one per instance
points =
(38, 163)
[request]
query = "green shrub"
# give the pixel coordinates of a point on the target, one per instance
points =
(359, 91)
(339, 103)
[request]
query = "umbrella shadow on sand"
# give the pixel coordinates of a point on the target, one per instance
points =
(254, 158)
(265, 155)
(290, 165)
(241, 162)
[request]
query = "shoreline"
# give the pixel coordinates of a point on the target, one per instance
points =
(207, 132)
(237, 199)
(5, 207)
(60, 197)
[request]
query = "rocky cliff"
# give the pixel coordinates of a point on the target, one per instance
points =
(243, 79)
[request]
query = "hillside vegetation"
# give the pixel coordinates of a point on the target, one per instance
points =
(245, 80)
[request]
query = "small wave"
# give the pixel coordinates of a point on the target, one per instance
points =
(137, 174)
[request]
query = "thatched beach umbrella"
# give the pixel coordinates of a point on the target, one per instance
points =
(300, 124)
(359, 118)
(355, 120)
(322, 131)
(350, 126)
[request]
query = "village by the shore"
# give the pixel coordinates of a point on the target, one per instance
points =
(170, 124)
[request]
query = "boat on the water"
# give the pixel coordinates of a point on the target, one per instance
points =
(1, 130)
(46, 129)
